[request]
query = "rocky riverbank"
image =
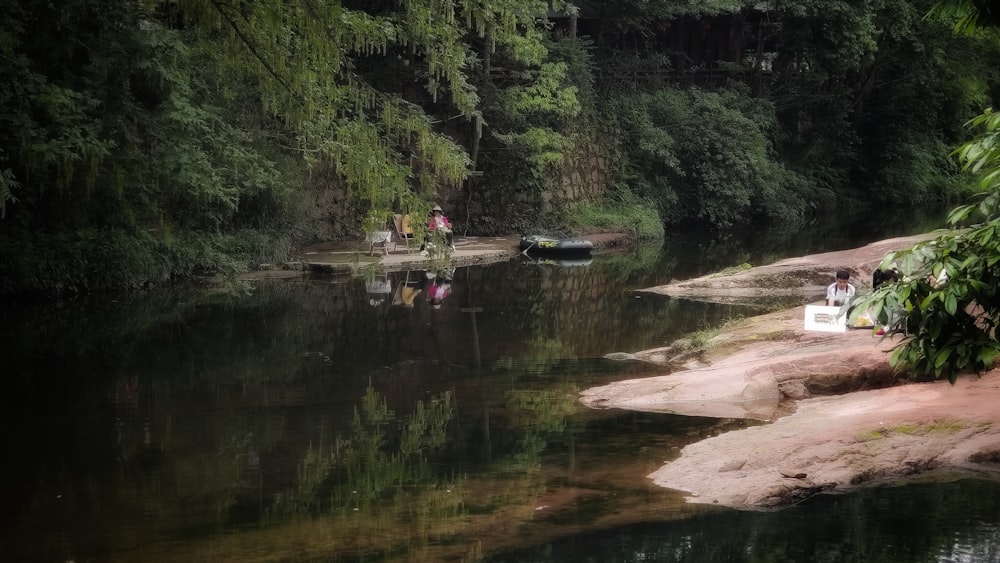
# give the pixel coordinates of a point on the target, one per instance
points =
(837, 417)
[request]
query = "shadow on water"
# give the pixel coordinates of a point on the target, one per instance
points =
(333, 419)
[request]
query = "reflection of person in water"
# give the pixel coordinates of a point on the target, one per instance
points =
(438, 288)
(438, 292)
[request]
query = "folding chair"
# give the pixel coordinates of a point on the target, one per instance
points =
(404, 234)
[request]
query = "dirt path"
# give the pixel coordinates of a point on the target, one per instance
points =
(840, 419)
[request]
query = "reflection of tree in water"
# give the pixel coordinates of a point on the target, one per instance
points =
(540, 415)
(543, 353)
(391, 473)
(631, 268)
(701, 254)
(379, 457)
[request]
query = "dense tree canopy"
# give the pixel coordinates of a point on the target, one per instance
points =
(145, 141)
(165, 128)
(708, 157)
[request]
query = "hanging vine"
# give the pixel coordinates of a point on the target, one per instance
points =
(302, 56)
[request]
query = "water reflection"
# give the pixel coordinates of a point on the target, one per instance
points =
(561, 262)
(690, 254)
(305, 422)
(156, 426)
(954, 522)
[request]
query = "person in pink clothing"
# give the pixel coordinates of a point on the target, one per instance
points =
(438, 222)
(438, 291)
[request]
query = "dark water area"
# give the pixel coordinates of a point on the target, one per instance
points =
(693, 254)
(950, 522)
(324, 419)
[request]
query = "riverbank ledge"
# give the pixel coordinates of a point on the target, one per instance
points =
(357, 257)
(837, 418)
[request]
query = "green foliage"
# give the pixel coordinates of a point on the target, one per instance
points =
(305, 60)
(532, 121)
(646, 10)
(379, 453)
(636, 22)
(49, 126)
(981, 156)
(122, 158)
(99, 260)
(871, 93)
(947, 307)
(840, 35)
(917, 172)
(708, 157)
(200, 120)
(543, 148)
(968, 15)
(8, 183)
(545, 93)
(909, 133)
(578, 57)
(162, 122)
(947, 327)
(533, 116)
(731, 270)
(620, 211)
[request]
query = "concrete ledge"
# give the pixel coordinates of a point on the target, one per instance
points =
(353, 257)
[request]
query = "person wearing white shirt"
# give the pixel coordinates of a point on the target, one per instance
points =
(840, 291)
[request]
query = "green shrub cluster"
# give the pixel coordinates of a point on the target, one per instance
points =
(708, 157)
(92, 260)
(620, 211)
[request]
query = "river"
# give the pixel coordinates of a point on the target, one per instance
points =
(323, 419)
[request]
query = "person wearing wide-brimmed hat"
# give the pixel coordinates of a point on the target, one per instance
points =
(438, 222)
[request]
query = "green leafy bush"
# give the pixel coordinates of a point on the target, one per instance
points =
(708, 157)
(946, 307)
(93, 260)
(621, 211)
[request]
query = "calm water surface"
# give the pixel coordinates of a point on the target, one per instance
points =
(325, 420)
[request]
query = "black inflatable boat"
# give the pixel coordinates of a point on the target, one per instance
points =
(538, 244)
